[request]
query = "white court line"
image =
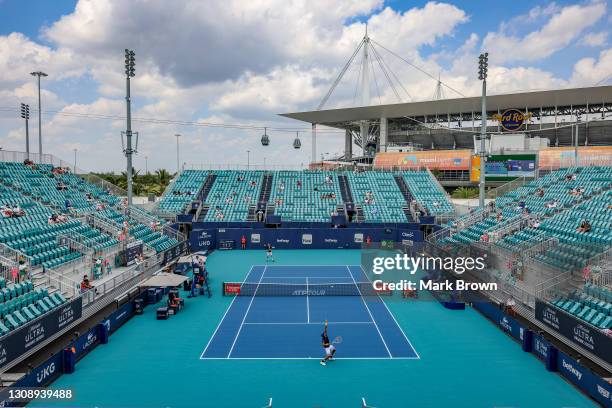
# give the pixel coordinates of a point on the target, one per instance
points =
(307, 303)
(370, 313)
(223, 318)
(310, 277)
(247, 313)
(296, 323)
(393, 317)
(309, 358)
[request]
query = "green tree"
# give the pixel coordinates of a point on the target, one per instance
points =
(465, 192)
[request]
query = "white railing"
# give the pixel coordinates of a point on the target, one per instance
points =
(68, 287)
(509, 186)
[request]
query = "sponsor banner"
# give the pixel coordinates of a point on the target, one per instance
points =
(433, 159)
(32, 334)
(507, 324)
(540, 347)
(580, 332)
(556, 157)
(87, 342)
(584, 379)
(475, 169)
(119, 316)
(203, 240)
(512, 120)
(231, 288)
(133, 251)
(503, 166)
(175, 252)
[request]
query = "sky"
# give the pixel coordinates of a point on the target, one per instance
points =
(238, 62)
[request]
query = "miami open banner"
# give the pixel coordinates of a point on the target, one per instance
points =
(436, 159)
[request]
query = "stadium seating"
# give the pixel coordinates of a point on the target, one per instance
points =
(183, 191)
(232, 194)
(311, 202)
(387, 198)
(426, 191)
(593, 304)
(21, 302)
(559, 222)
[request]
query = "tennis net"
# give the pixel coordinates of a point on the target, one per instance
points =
(300, 289)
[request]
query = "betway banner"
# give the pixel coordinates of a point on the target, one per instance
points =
(580, 332)
(32, 334)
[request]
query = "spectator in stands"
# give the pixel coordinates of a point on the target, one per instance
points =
(89, 197)
(510, 305)
(551, 204)
(17, 211)
(53, 219)
(492, 205)
(281, 186)
(484, 237)
(540, 192)
(247, 199)
(536, 223)
(584, 227)
(61, 186)
(100, 206)
(253, 183)
(28, 162)
(586, 272)
(23, 269)
(260, 215)
(229, 200)
(298, 184)
(239, 178)
(499, 216)
(85, 284)
(67, 205)
(609, 206)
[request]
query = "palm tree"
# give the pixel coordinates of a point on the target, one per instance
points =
(465, 192)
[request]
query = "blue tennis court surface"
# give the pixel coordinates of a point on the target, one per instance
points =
(289, 326)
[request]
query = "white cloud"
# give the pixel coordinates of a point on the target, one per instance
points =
(560, 30)
(243, 62)
(595, 39)
(589, 71)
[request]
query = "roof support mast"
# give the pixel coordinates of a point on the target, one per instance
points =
(365, 91)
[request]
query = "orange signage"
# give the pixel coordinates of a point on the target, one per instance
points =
(555, 157)
(431, 159)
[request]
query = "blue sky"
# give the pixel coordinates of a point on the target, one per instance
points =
(233, 61)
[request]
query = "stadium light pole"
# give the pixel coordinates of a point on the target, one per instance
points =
(248, 159)
(25, 114)
(178, 166)
(146, 164)
(130, 72)
(483, 63)
(75, 154)
(39, 74)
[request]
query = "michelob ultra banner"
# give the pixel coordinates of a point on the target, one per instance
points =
(434, 159)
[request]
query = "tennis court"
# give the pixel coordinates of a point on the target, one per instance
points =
(465, 360)
(279, 312)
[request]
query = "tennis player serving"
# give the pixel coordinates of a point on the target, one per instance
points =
(330, 350)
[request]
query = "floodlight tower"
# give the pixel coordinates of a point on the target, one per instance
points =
(483, 63)
(25, 114)
(130, 72)
(39, 74)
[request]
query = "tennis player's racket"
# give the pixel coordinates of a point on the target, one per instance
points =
(337, 340)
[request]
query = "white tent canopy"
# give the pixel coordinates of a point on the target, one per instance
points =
(164, 280)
